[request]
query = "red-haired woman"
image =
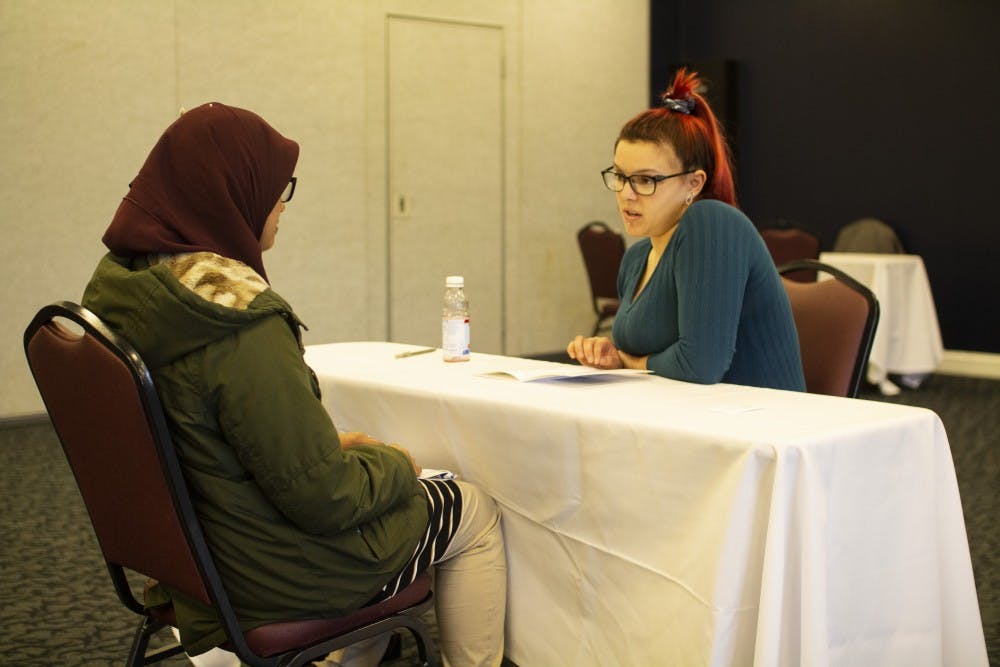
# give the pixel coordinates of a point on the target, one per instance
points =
(701, 300)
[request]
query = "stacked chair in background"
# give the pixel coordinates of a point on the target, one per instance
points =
(602, 249)
(868, 235)
(789, 242)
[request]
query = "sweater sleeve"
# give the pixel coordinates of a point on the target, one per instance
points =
(711, 262)
(283, 436)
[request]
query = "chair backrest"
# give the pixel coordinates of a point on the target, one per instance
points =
(788, 244)
(836, 321)
(107, 415)
(868, 235)
(602, 249)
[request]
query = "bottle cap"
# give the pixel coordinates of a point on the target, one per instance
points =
(454, 281)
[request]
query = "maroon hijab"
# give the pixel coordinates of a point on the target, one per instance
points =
(208, 184)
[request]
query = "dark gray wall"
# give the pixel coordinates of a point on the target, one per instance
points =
(854, 109)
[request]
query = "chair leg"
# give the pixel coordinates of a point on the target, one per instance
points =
(138, 655)
(426, 648)
(394, 649)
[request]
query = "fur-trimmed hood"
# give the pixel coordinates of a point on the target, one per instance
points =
(168, 306)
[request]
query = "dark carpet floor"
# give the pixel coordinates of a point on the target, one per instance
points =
(57, 606)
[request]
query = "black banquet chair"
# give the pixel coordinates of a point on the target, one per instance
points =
(836, 321)
(107, 415)
(602, 249)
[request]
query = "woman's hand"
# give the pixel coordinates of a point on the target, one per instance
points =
(632, 361)
(350, 438)
(596, 351)
(416, 468)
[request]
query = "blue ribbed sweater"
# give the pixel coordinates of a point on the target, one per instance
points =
(714, 309)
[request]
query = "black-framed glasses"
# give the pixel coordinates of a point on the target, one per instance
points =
(286, 194)
(642, 184)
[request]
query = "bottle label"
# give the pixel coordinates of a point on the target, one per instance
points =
(455, 338)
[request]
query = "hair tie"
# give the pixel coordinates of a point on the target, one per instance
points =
(684, 106)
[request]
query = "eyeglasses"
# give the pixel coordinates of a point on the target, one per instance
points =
(642, 184)
(286, 194)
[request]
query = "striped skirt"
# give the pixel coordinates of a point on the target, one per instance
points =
(444, 507)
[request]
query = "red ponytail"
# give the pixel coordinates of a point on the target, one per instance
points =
(686, 123)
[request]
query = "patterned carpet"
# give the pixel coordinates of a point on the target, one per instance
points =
(58, 607)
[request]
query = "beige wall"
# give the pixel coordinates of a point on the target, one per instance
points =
(86, 88)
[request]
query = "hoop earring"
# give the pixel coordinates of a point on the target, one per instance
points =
(689, 199)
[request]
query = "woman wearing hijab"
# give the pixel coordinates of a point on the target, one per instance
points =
(303, 522)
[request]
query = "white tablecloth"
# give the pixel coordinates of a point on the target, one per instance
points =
(654, 522)
(908, 339)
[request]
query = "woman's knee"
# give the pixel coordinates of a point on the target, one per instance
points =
(479, 527)
(482, 509)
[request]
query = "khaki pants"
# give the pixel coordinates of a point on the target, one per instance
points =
(470, 593)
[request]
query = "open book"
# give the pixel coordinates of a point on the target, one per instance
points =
(559, 372)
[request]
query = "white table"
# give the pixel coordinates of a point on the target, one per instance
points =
(654, 522)
(908, 339)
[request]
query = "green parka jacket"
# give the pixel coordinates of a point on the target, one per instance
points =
(299, 527)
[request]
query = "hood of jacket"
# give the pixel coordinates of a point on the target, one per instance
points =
(164, 318)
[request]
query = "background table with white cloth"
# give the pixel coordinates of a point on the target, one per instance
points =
(656, 522)
(908, 338)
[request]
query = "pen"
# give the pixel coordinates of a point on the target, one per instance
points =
(413, 353)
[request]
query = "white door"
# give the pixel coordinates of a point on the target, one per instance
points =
(446, 191)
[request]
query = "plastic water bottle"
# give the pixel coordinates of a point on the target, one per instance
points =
(455, 320)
